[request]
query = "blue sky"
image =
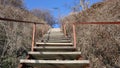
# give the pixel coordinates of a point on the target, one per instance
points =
(63, 5)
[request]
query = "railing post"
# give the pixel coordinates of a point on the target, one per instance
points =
(64, 28)
(74, 35)
(20, 65)
(33, 36)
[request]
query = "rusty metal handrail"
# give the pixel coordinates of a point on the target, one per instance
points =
(14, 20)
(96, 23)
(74, 28)
(34, 28)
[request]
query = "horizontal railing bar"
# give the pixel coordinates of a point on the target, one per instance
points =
(13, 20)
(97, 23)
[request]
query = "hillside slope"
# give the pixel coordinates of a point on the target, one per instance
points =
(15, 38)
(99, 43)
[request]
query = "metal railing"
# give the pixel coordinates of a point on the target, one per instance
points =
(74, 28)
(30, 22)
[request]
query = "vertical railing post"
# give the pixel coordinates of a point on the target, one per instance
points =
(20, 65)
(74, 35)
(33, 36)
(64, 28)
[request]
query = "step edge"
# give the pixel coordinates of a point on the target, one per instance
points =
(56, 61)
(39, 43)
(53, 53)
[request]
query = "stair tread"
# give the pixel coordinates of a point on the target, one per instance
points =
(54, 55)
(55, 47)
(54, 51)
(67, 53)
(57, 41)
(39, 43)
(56, 61)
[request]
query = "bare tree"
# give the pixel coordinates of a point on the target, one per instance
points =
(78, 4)
(84, 4)
(45, 15)
(15, 3)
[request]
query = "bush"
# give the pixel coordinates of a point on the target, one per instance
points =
(98, 43)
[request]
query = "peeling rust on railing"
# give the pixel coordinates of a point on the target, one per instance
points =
(33, 36)
(74, 35)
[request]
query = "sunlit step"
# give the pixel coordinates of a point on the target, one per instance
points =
(55, 55)
(55, 63)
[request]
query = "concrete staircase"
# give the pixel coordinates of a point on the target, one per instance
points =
(55, 51)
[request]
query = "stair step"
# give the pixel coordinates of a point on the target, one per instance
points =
(54, 48)
(59, 38)
(58, 41)
(54, 51)
(53, 44)
(55, 55)
(56, 38)
(55, 63)
(54, 34)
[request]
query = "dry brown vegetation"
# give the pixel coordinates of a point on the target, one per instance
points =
(45, 15)
(15, 38)
(98, 43)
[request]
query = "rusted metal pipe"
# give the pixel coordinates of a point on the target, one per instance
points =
(97, 23)
(33, 36)
(14, 20)
(74, 35)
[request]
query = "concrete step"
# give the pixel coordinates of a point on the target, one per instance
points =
(64, 38)
(53, 34)
(58, 41)
(61, 41)
(54, 37)
(54, 48)
(59, 36)
(55, 63)
(55, 55)
(53, 44)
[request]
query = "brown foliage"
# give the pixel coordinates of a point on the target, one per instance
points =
(15, 3)
(98, 43)
(16, 37)
(45, 15)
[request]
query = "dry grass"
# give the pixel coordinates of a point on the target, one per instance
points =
(98, 43)
(15, 38)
